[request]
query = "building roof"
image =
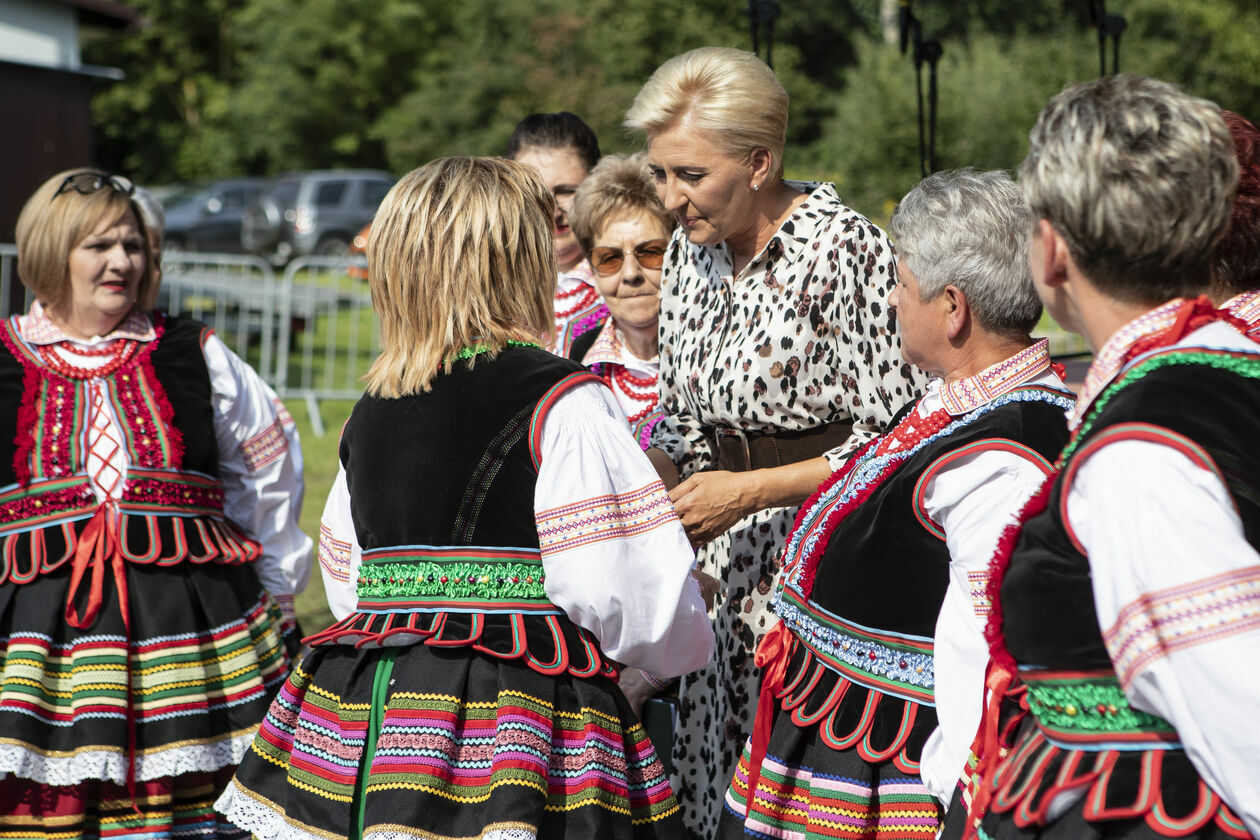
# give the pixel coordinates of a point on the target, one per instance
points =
(106, 13)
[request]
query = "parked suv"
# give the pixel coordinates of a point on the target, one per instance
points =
(313, 213)
(207, 217)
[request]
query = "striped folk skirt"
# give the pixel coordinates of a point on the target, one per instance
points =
(419, 741)
(842, 761)
(132, 732)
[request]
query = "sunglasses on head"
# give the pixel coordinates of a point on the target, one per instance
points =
(86, 183)
(650, 254)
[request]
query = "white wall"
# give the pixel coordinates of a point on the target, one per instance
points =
(40, 33)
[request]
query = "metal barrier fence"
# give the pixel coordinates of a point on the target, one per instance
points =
(327, 333)
(309, 332)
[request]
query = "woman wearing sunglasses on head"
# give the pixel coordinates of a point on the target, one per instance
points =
(622, 226)
(778, 358)
(149, 496)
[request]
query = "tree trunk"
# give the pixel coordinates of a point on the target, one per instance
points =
(888, 20)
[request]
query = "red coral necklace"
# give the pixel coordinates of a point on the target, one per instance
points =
(122, 352)
(626, 382)
(587, 300)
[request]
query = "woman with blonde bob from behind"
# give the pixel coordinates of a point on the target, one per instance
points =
(493, 546)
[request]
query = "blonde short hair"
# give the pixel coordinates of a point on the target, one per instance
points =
(617, 187)
(460, 254)
(1138, 177)
(52, 224)
(728, 92)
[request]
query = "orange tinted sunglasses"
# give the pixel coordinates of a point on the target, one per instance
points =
(650, 254)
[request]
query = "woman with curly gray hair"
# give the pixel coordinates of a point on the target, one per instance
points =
(877, 623)
(624, 230)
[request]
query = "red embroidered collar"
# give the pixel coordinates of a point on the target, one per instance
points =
(609, 349)
(36, 327)
(1162, 326)
(1246, 308)
(969, 393)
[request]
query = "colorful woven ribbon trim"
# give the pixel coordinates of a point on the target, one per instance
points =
(891, 663)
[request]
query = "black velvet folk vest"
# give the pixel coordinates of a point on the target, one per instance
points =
(172, 507)
(866, 629)
(1083, 733)
(441, 490)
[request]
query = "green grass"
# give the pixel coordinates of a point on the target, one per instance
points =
(319, 456)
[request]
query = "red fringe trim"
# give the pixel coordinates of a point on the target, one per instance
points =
(28, 415)
(837, 514)
(997, 571)
(174, 437)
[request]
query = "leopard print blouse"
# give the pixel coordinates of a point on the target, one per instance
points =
(801, 337)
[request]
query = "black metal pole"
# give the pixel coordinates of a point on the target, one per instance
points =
(918, 96)
(932, 51)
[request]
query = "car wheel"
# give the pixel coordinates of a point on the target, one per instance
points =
(332, 246)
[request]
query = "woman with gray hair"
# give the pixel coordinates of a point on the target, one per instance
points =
(778, 359)
(850, 670)
(1126, 597)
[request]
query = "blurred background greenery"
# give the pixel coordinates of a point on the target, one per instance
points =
(218, 88)
(225, 87)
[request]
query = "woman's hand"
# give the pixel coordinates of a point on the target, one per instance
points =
(637, 689)
(709, 503)
(709, 586)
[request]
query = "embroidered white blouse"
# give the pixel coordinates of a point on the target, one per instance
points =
(1165, 541)
(972, 501)
(630, 585)
(260, 456)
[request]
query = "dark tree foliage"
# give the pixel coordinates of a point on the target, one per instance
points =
(221, 87)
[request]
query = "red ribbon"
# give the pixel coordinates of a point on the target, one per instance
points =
(97, 543)
(772, 658)
(998, 682)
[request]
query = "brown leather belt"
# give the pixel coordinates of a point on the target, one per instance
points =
(739, 451)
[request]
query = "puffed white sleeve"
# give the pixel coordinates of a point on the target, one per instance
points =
(260, 467)
(1177, 591)
(970, 500)
(614, 552)
(339, 550)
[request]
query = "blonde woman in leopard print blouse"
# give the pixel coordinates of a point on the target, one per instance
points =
(778, 359)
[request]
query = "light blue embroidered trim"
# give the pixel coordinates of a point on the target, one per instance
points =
(889, 663)
(803, 539)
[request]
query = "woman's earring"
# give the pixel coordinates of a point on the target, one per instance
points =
(756, 187)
